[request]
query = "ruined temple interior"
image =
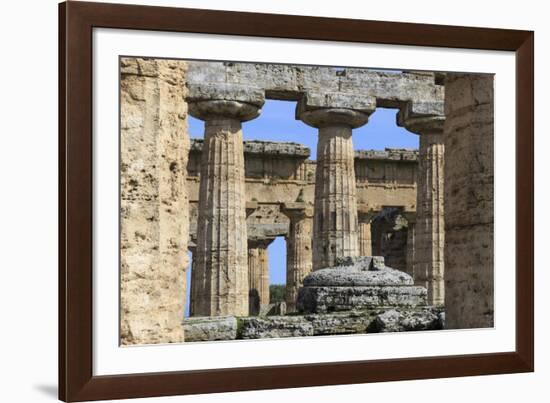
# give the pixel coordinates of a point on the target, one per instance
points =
(376, 240)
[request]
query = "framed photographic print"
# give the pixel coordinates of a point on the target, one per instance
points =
(253, 201)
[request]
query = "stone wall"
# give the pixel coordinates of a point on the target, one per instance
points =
(469, 132)
(154, 204)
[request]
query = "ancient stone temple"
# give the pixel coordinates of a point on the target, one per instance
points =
(374, 238)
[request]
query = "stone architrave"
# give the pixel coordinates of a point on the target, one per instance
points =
(221, 267)
(258, 275)
(335, 223)
(365, 216)
(430, 225)
(299, 252)
(469, 198)
(154, 215)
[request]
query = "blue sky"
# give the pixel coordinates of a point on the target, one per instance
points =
(277, 123)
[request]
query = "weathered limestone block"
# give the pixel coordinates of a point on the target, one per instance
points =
(299, 253)
(154, 207)
(274, 326)
(359, 271)
(430, 224)
(405, 321)
(360, 283)
(351, 322)
(335, 222)
(469, 181)
(221, 269)
(334, 323)
(210, 328)
(342, 298)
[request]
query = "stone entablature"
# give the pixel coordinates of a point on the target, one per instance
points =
(415, 93)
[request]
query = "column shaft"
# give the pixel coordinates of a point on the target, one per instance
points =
(430, 230)
(221, 269)
(258, 279)
(335, 226)
(298, 258)
(469, 198)
(411, 230)
(154, 211)
(365, 234)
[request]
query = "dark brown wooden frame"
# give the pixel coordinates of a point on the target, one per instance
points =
(76, 22)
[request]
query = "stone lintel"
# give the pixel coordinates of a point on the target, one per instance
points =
(266, 231)
(288, 82)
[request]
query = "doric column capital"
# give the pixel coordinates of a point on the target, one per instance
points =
(334, 109)
(297, 210)
(224, 101)
(422, 118)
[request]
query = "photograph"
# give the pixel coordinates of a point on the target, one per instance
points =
(262, 200)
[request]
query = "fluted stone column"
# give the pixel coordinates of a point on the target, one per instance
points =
(154, 211)
(298, 254)
(365, 217)
(469, 197)
(430, 226)
(411, 235)
(335, 225)
(221, 268)
(258, 272)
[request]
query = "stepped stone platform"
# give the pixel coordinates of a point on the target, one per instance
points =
(358, 283)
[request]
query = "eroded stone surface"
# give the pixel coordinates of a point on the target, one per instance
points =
(210, 328)
(330, 299)
(469, 133)
(335, 323)
(299, 249)
(274, 326)
(352, 322)
(362, 273)
(154, 204)
(405, 321)
(418, 91)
